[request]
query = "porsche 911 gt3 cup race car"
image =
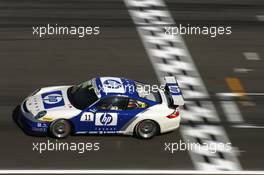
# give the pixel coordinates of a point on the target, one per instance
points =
(102, 105)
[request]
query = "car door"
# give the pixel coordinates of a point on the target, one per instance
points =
(110, 114)
(134, 107)
(115, 113)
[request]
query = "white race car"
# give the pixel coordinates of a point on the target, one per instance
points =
(102, 105)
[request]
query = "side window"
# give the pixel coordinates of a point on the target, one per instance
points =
(136, 104)
(113, 103)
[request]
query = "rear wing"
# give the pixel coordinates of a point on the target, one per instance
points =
(174, 90)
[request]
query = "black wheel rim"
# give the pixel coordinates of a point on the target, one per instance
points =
(147, 129)
(61, 129)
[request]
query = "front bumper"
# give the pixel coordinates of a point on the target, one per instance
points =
(28, 124)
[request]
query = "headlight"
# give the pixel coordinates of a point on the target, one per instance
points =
(40, 114)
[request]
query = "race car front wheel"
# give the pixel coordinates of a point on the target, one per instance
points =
(146, 129)
(60, 128)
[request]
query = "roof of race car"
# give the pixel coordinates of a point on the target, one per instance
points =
(115, 86)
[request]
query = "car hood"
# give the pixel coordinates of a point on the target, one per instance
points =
(49, 99)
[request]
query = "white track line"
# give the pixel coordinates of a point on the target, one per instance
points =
(125, 172)
(231, 94)
(231, 111)
(260, 17)
(242, 70)
(248, 126)
(251, 56)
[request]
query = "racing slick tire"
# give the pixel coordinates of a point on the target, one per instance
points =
(60, 128)
(146, 129)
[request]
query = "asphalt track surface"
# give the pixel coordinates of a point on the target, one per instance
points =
(29, 62)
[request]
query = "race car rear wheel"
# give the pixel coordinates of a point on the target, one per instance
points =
(146, 129)
(60, 128)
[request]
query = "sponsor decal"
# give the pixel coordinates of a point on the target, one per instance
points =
(52, 99)
(106, 119)
(174, 90)
(42, 125)
(112, 85)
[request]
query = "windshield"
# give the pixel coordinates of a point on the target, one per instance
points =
(82, 95)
